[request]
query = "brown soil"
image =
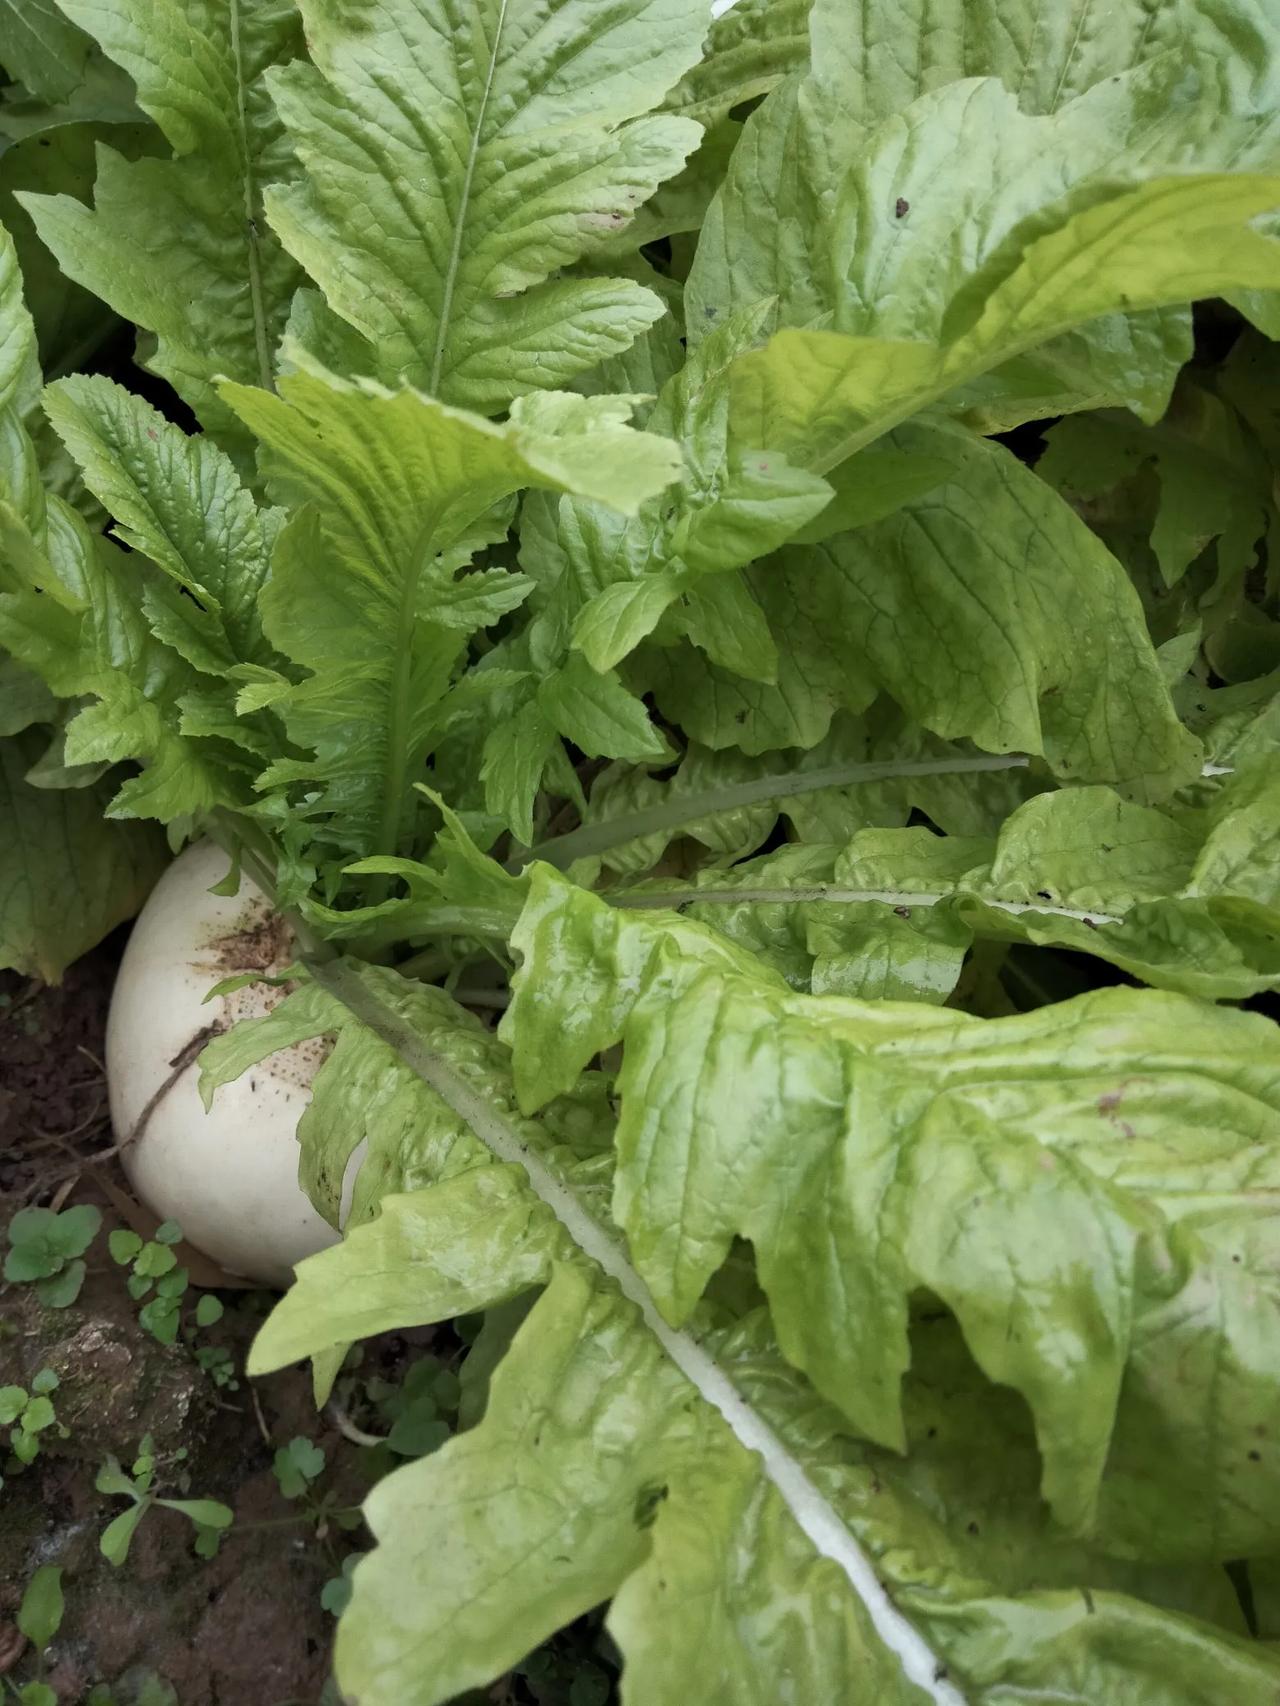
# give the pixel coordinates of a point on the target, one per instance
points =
(243, 1629)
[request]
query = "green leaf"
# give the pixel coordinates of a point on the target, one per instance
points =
(1014, 1606)
(386, 1276)
(208, 1310)
(123, 1245)
(41, 47)
(45, 1381)
(1213, 483)
(111, 1478)
(749, 49)
(516, 752)
(993, 1175)
(869, 66)
(417, 1432)
(180, 502)
(296, 1465)
(42, 1241)
(597, 714)
(606, 581)
(13, 1401)
(24, 1445)
(990, 611)
(173, 1284)
(181, 246)
(431, 1063)
(1105, 216)
(40, 1614)
(116, 1536)
(55, 152)
(73, 612)
(19, 375)
(155, 1691)
(395, 481)
(617, 619)
(38, 1416)
(24, 699)
(34, 1250)
(1082, 869)
(161, 1318)
(205, 1513)
(455, 161)
(61, 1290)
(572, 1535)
(37, 1694)
(66, 877)
(74, 1229)
(168, 1232)
(155, 1258)
(335, 1595)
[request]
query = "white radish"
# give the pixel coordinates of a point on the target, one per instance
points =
(228, 1177)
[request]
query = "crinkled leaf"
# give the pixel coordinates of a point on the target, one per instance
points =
(1049, 1212)
(75, 616)
(1083, 212)
(181, 246)
(1083, 869)
(553, 1544)
(1017, 1608)
(606, 581)
(391, 482)
(180, 502)
(750, 48)
(570, 1537)
(990, 611)
(457, 157)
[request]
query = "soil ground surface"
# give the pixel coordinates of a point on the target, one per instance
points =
(245, 1628)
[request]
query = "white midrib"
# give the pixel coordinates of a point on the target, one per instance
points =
(812, 1511)
(765, 896)
(459, 227)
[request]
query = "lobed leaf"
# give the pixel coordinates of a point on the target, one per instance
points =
(869, 1150)
(181, 246)
(456, 157)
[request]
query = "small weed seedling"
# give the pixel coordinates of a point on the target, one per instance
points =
(46, 1251)
(31, 1414)
(297, 1467)
(151, 1690)
(422, 1409)
(154, 1274)
(39, 1619)
(210, 1518)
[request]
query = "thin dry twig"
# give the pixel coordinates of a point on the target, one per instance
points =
(263, 1429)
(93, 1060)
(177, 1066)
